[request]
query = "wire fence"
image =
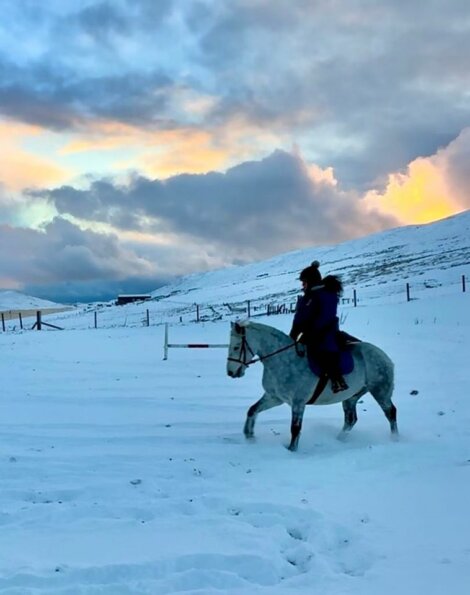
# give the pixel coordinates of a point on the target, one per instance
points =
(159, 311)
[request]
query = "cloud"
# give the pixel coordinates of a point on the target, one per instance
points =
(91, 61)
(160, 228)
(454, 162)
(20, 168)
(66, 263)
(61, 99)
(363, 88)
(63, 251)
(191, 97)
(100, 21)
(431, 188)
(254, 210)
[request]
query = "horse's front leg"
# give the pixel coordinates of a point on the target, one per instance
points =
(267, 401)
(296, 425)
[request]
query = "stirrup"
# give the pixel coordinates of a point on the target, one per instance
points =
(338, 385)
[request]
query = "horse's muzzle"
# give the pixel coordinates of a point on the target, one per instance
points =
(237, 374)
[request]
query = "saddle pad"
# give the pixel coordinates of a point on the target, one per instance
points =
(346, 363)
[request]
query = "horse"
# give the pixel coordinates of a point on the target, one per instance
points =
(287, 377)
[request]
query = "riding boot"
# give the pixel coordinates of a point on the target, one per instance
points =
(338, 383)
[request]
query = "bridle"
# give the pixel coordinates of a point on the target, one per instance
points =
(245, 350)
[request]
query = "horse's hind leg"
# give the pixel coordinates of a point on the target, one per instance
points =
(391, 415)
(383, 396)
(266, 402)
(350, 413)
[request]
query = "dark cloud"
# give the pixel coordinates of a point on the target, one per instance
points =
(101, 21)
(60, 100)
(369, 76)
(375, 159)
(254, 210)
(62, 251)
(21, 103)
(454, 161)
(363, 86)
(8, 206)
(81, 73)
(148, 13)
(62, 262)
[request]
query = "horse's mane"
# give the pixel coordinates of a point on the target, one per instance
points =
(270, 330)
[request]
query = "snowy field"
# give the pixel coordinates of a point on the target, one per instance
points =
(125, 474)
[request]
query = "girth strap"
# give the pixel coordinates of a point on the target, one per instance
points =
(321, 385)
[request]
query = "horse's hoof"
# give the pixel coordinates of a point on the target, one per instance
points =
(342, 436)
(395, 437)
(250, 437)
(292, 448)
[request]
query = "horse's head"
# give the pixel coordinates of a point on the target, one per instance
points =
(239, 355)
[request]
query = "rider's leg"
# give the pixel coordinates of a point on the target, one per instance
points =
(333, 368)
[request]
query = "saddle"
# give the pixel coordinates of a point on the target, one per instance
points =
(346, 362)
(345, 341)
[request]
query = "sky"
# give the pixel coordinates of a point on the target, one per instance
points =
(142, 140)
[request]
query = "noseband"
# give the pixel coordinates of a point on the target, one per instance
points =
(246, 349)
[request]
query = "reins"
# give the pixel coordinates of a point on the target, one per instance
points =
(260, 358)
(245, 348)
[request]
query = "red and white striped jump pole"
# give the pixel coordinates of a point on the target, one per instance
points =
(167, 345)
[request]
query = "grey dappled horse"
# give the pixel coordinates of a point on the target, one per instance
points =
(287, 377)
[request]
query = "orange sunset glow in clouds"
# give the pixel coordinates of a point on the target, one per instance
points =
(137, 137)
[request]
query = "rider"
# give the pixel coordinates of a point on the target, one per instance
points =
(316, 322)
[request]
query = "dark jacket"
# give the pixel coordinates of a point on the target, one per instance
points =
(316, 317)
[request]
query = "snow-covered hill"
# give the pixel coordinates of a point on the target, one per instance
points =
(431, 258)
(432, 254)
(14, 300)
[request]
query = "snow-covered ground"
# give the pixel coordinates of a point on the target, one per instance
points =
(125, 474)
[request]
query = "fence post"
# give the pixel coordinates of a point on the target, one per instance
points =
(197, 313)
(248, 310)
(148, 317)
(21, 320)
(96, 318)
(355, 297)
(408, 292)
(3, 321)
(165, 344)
(463, 283)
(38, 320)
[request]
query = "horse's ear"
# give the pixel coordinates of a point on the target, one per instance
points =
(237, 327)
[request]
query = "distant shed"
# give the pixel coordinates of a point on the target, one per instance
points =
(128, 299)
